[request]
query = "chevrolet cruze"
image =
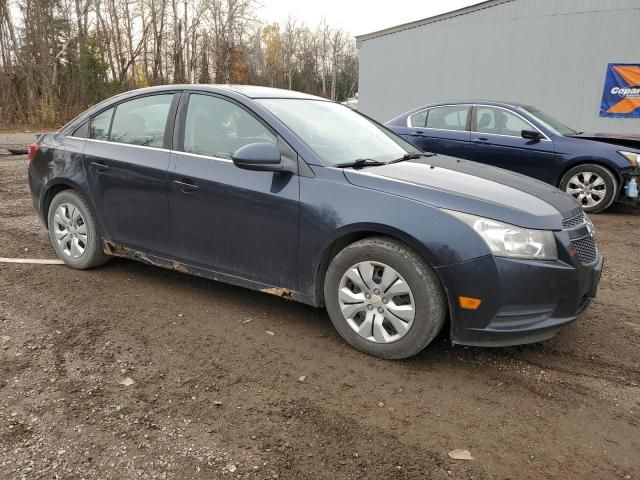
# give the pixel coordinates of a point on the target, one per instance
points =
(307, 199)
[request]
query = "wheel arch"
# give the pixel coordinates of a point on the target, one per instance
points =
(353, 233)
(53, 188)
(600, 162)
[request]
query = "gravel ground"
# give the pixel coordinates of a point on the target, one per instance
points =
(12, 140)
(130, 371)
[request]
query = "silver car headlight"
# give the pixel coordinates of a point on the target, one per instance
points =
(511, 241)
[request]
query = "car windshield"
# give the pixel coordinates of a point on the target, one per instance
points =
(336, 133)
(551, 123)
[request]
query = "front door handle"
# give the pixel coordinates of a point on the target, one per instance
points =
(480, 141)
(100, 166)
(186, 186)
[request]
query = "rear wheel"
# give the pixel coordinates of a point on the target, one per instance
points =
(594, 187)
(73, 231)
(384, 299)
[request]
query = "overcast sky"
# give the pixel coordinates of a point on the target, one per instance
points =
(358, 16)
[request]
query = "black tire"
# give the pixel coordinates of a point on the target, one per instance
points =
(428, 295)
(93, 254)
(610, 183)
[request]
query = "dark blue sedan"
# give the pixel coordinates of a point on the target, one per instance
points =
(596, 169)
(304, 198)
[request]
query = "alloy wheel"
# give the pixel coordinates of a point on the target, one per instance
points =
(70, 230)
(588, 188)
(376, 302)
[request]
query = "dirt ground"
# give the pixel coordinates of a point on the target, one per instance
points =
(216, 395)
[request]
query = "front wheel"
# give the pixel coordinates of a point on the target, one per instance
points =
(594, 187)
(384, 299)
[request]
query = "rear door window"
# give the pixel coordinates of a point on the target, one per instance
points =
(418, 119)
(216, 127)
(452, 117)
(100, 125)
(142, 121)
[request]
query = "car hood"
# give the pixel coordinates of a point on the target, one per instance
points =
(630, 141)
(471, 187)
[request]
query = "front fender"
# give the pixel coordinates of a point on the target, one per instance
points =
(617, 167)
(331, 208)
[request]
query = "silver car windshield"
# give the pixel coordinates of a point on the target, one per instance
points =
(336, 133)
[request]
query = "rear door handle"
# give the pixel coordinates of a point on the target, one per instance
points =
(100, 166)
(186, 186)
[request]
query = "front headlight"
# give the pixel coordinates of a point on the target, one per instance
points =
(506, 240)
(634, 158)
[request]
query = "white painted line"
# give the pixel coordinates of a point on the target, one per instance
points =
(39, 261)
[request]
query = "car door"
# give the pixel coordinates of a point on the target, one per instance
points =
(442, 129)
(497, 140)
(126, 159)
(238, 222)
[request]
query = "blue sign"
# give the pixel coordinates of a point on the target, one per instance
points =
(621, 96)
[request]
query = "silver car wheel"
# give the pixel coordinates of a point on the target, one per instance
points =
(376, 302)
(588, 188)
(70, 230)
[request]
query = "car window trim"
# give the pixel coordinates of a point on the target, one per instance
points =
(206, 157)
(158, 149)
(109, 142)
(467, 125)
(474, 125)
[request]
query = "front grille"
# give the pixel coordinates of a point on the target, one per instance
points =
(574, 221)
(586, 248)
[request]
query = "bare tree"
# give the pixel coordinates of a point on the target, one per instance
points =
(77, 52)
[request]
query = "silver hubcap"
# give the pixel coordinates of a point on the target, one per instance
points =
(588, 188)
(376, 302)
(70, 230)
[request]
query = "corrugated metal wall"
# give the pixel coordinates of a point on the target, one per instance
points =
(549, 53)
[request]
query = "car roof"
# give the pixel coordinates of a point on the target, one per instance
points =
(493, 103)
(237, 91)
(482, 102)
(249, 91)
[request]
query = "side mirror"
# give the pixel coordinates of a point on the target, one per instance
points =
(264, 157)
(531, 134)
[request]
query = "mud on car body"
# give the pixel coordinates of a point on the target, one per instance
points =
(304, 198)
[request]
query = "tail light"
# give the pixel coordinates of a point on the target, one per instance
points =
(31, 152)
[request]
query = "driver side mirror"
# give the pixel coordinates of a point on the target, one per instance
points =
(264, 157)
(531, 134)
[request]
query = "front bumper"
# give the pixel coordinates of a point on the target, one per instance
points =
(523, 301)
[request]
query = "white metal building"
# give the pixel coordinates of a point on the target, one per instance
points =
(549, 53)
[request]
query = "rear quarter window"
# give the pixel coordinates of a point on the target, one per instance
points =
(418, 120)
(100, 125)
(82, 131)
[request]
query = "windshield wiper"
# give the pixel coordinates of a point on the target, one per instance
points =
(408, 156)
(360, 163)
